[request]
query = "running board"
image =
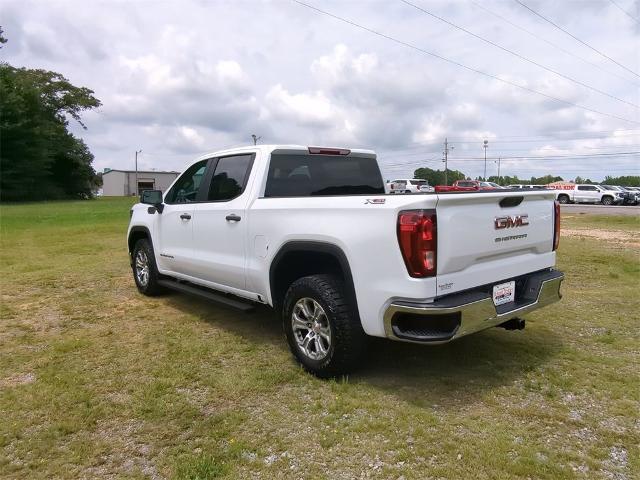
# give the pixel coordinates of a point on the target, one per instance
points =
(207, 294)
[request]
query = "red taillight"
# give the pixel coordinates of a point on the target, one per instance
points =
(329, 151)
(418, 239)
(556, 225)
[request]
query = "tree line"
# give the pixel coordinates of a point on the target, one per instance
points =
(436, 177)
(39, 157)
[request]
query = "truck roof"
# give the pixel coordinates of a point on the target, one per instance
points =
(272, 147)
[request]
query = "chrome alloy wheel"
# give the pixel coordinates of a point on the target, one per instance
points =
(142, 268)
(311, 328)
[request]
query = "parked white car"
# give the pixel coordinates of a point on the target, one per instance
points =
(528, 187)
(310, 232)
(409, 185)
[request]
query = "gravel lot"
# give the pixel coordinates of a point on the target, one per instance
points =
(602, 209)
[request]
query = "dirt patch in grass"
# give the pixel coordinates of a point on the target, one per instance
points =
(621, 237)
(15, 380)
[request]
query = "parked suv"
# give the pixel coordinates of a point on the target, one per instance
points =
(410, 185)
(629, 197)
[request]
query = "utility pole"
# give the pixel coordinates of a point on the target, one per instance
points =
(137, 152)
(255, 138)
(485, 145)
(446, 159)
(499, 181)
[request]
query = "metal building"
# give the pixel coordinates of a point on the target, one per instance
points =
(118, 183)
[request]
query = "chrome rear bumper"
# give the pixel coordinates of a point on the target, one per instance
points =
(456, 315)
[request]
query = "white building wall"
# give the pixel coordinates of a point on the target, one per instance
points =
(123, 183)
(113, 183)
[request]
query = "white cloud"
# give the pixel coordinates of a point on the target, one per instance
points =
(312, 109)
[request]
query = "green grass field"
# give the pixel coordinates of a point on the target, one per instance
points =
(97, 381)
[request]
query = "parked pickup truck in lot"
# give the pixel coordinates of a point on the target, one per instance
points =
(588, 193)
(310, 232)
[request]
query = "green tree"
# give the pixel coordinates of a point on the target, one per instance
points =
(436, 177)
(624, 181)
(39, 157)
(545, 180)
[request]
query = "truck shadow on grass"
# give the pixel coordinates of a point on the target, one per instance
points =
(446, 375)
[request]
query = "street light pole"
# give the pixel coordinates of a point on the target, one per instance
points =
(137, 152)
(446, 159)
(485, 145)
(499, 182)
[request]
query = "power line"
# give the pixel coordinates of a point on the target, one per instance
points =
(400, 154)
(453, 62)
(555, 157)
(518, 55)
(559, 157)
(576, 38)
(522, 139)
(624, 11)
(618, 130)
(554, 45)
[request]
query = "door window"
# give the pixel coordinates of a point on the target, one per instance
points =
(186, 188)
(229, 178)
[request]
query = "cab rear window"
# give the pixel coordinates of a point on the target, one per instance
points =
(300, 175)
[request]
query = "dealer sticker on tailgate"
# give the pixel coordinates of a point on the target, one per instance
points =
(504, 293)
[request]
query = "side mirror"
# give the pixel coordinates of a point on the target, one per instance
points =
(152, 197)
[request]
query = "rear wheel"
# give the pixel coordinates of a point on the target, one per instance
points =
(607, 200)
(145, 271)
(323, 332)
(563, 199)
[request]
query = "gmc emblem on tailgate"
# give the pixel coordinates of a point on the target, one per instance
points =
(511, 222)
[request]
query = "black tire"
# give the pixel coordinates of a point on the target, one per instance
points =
(347, 338)
(564, 199)
(150, 287)
(607, 200)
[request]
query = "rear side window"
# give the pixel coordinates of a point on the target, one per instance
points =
(300, 175)
(229, 178)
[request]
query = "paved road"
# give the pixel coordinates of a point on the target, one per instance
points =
(601, 209)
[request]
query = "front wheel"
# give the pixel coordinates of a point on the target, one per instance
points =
(322, 330)
(145, 271)
(564, 199)
(607, 201)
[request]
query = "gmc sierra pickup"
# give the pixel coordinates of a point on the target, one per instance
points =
(310, 232)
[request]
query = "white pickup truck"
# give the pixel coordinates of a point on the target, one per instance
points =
(587, 193)
(310, 232)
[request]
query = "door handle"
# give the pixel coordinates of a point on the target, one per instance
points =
(185, 216)
(233, 218)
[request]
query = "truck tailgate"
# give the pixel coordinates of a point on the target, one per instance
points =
(486, 237)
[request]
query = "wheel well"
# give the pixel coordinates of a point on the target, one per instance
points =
(135, 235)
(563, 195)
(295, 261)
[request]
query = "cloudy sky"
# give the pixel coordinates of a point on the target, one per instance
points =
(180, 78)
